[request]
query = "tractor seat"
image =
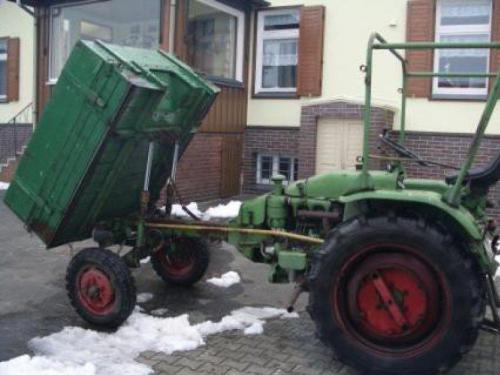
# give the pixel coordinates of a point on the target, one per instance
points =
(482, 177)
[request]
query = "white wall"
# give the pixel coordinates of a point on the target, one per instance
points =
(348, 25)
(15, 22)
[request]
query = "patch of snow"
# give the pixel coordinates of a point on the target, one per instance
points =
(226, 280)
(40, 365)
(497, 258)
(78, 351)
(144, 297)
(292, 315)
(221, 211)
(179, 212)
(145, 260)
(159, 312)
(254, 329)
(4, 185)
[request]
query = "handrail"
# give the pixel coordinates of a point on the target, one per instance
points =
(377, 42)
(13, 119)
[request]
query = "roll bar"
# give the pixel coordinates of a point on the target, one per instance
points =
(377, 42)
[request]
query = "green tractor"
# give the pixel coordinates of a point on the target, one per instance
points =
(399, 270)
(401, 282)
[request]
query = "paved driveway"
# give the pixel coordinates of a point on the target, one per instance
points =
(33, 303)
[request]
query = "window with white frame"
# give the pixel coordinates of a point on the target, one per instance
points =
(270, 165)
(3, 70)
(215, 39)
(462, 21)
(277, 51)
(124, 22)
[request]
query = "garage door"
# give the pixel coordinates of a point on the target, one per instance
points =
(338, 145)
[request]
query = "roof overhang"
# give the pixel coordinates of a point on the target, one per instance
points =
(41, 3)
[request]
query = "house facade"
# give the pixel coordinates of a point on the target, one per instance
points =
(292, 91)
(299, 134)
(16, 82)
(210, 35)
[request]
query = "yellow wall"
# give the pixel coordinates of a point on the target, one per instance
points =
(347, 28)
(15, 22)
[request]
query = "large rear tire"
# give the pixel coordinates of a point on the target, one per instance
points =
(183, 262)
(395, 296)
(100, 287)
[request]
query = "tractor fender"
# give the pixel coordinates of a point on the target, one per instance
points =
(459, 215)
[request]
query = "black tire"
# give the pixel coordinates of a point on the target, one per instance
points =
(381, 246)
(100, 287)
(182, 263)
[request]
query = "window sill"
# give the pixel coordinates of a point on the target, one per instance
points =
(465, 98)
(275, 95)
(226, 82)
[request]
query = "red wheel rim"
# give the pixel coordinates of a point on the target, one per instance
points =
(177, 262)
(389, 298)
(95, 291)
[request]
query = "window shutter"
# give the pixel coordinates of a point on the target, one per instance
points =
(420, 28)
(495, 37)
(310, 65)
(13, 69)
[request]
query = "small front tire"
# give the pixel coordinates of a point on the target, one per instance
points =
(100, 287)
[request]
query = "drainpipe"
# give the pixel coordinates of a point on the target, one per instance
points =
(171, 30)
(35, 60)
(34, 75)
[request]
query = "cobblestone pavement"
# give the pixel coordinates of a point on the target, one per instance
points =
(33, 302)
(290, 347)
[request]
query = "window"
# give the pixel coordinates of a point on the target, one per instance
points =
(276, 55)
(462, 21)
(125, 22)
(215, 39)
(270, 165)
(3, 70)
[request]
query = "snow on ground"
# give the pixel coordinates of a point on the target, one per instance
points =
(78, 351)
(193, 207)
(144, 297)
(222, 211)
(497, 258)
(4, 185)
(145, 260)
(226, 280)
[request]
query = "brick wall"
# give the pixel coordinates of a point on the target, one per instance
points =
(10, 136)
(381, 118)
(199, 170)
(266, 140)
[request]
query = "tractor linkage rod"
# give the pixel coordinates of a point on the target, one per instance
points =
(223, 229)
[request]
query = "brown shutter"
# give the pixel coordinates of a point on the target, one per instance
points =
(310, 66)
(495, 37)
(420, 28)
(13, 69)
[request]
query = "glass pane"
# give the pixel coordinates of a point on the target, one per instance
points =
(282, 21)
(3, 78)
(295, 169)
(3, 47)
(279, 64)
(463, 61)
(266, 167)
(211, 38)
(285, 168)
(465, 12)
(124, 22)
